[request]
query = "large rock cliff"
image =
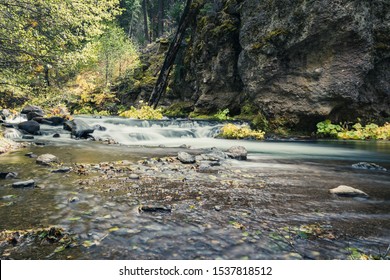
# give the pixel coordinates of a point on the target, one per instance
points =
(296, 62)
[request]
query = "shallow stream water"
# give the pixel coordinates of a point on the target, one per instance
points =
(275, 205)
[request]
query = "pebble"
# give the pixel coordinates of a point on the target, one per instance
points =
(134, 176)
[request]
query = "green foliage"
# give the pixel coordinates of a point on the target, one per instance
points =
(38, 36)
(231, 131)
(178, 109)
(356, 132)
(144, 113)
(222, 115)
(326, 128)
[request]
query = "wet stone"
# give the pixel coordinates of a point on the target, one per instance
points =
(27, 137)
(368, 166)
(237, 152)
(47, 159)
(155, 209)
(348, 191)
(31, 155)
(134, 176)
(73, 199)
(185, 158)
(62, 170)
(24, 184)
(8, 175)
(56, 135)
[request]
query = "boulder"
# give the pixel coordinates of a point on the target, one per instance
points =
(24, 184)
(31, 108)
(47, 159)
(78, 128)
(185, 158)
(54, 121)
(31, 127)
(237, 152)
(34, 115)
(343, 190)
(368, 166)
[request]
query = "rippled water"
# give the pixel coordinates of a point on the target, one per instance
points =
(240, 211)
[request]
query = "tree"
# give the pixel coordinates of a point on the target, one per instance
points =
(37, 35)
(189, 14)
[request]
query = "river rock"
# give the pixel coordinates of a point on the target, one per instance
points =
(24, 184)
(155, 208)
(31, 127)
(185, 158)
(78, 128)
(34, 116)
(99, 127)
(31, 108)
(27, 137)
(62, 170)
(237, 152)
(368, 166)
(214, 155)
(343, 190)
(56, 135)
(134, 176)
(47, 159)
(8, 175)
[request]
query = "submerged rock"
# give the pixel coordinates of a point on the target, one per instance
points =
(368, 166)
(62, 170)
(154, 208)
(185, 158)
(8, 175)
(237, 152)
(24, 184)
(343, 190)
(47, 159)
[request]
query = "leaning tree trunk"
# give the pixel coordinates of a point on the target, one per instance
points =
(189, 14)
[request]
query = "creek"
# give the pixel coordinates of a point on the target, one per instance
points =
(274, 205)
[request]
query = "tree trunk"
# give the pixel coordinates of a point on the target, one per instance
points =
(189, 14)
(146, 28)
(160, 19)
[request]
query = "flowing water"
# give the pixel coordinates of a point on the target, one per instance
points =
(275, 205)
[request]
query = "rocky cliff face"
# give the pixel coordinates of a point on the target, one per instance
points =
(294, 61)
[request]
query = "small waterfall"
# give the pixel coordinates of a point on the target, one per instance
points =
(16, 118)
(154, 132)
(12, 133)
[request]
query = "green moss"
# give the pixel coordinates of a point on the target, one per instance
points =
(260, 122)
(271, 37)
(226, 26)
(178, 110)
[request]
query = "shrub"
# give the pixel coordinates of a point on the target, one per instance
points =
(357, 131)
(144, 113)
(231, 131)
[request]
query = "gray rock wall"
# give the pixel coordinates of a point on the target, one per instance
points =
(297, 61)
